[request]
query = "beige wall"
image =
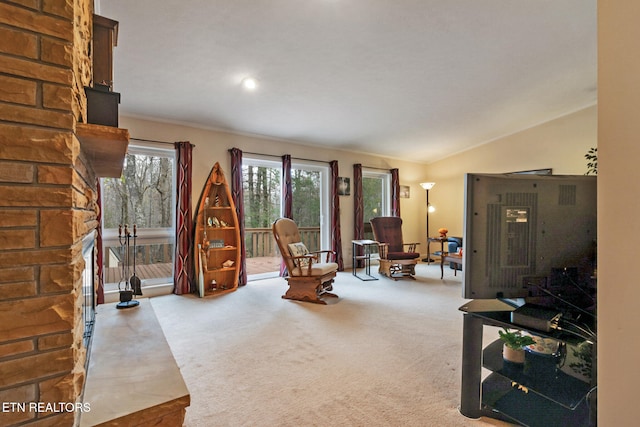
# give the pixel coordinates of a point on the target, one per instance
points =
(618, 204)
(212, 146)
(559, 144)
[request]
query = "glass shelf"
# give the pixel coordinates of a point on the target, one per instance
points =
(527, 408)
(538, 375)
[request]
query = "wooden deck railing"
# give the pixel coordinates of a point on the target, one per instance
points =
(259, 242)
(156, 263)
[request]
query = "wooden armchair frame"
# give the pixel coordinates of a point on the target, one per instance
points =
(310, 282)
(397, 259)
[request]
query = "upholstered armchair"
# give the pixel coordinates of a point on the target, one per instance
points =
(397, 259)
(309, 277)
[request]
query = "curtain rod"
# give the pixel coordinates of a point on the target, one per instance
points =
(154, 141)
(280, 157)
(310, 160)
(380, 169)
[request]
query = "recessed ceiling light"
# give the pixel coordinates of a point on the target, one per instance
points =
(249, 83)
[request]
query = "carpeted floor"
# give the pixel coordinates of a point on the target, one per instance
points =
(386, 353)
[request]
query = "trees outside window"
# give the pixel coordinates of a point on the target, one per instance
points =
(143, 196)
(376, 195)
(262, 187)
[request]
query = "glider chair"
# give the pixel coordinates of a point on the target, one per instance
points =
(309, 277)
(397, 259)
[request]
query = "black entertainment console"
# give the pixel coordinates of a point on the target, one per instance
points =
(546, 391)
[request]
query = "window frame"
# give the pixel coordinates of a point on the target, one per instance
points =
(385, 202)
(155, 235)
(323, 169)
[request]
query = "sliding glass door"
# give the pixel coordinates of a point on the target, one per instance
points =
(262, 186)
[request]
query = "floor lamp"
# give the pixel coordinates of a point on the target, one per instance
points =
(428, 186)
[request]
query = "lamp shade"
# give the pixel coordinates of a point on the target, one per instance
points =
(427, 185)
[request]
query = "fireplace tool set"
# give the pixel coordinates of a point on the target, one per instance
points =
(129, 286)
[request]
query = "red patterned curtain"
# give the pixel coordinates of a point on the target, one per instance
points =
(287, 197)
(358, 211)
(98, 246)
(238, 200)
(183, 273)
(287, 187)
(395, 192)
(336, 234)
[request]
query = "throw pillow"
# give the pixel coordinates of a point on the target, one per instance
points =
(299, 249)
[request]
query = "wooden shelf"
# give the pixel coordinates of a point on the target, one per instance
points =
(105, 147)
(209, 259)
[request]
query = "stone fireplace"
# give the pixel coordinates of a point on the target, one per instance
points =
(49, 165)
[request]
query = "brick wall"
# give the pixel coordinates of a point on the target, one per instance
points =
(47, 205)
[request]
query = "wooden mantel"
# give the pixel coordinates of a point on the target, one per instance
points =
(105, 147)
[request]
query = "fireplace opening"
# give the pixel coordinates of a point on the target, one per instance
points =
(89, 279)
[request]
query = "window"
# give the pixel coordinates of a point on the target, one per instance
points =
(311, 203)
(262, 205)
(143, 196)
(262, 185)
(376, 195)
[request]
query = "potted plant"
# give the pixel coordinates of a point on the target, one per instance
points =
(592, 161)
(514, 344)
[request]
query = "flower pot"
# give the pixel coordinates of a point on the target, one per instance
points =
(512, 355)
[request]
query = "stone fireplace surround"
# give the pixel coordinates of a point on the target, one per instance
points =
(49, 164)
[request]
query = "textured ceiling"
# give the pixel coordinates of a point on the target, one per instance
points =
(412, 79)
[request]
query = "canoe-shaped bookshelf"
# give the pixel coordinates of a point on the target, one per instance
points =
(217, 237)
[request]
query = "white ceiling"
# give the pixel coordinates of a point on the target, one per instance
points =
(412, 79)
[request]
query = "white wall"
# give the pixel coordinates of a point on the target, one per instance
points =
(212, 146)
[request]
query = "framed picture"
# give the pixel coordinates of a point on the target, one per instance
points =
(404, 191)
(344, 186)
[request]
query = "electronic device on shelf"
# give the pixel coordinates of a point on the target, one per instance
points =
(531, 237)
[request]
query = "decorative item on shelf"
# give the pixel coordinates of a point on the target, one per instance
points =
(102, 105)
(514, 344)
(428, 186)
(203, 260)
(216, 201)
(200, 271)
(216, 243)
(443, 232)
(549, 353)
(228, 263)
(215, 222)
(205, 241)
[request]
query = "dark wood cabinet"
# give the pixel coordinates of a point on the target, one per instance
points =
(102, 102)
(105, 38)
